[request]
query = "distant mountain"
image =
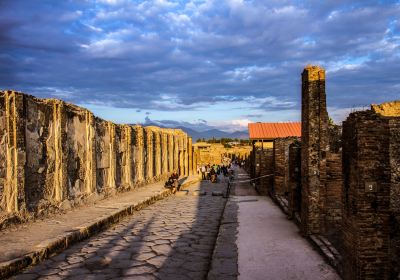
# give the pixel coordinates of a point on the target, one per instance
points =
(216, 133)
(209, 134)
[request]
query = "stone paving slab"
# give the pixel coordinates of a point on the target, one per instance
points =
(171, 239)
(36, 241)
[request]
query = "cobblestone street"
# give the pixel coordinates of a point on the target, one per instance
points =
(172, 239)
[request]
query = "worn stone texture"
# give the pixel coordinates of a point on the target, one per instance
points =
(313, 149)
(56, 155)
(294, 162)
(371, 182)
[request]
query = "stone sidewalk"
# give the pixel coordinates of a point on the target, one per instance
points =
(269, 245)
(36, 241)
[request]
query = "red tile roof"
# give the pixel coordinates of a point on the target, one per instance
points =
(274, 130)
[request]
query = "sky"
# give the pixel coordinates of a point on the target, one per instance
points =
(200, 63)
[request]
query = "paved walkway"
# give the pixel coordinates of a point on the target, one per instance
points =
(33, 241)
(270, 246)
(172, 239)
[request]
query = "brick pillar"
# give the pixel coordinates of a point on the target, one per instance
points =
(314, 147)
(139, 154)
(190, 155)
(13, 151)
(370, 173)
(111, 184)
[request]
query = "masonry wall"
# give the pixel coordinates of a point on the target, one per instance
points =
(313, 149)
(370, 195)
(281, 165)
(294, 163)
(55, 155)
(264, 165)
(333, 196)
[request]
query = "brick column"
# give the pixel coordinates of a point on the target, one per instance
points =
(314, 147)
(371, 188)
(90, 154)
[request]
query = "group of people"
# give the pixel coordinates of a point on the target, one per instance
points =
(211, 172)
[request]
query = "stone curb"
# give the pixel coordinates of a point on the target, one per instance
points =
(327, 250)
(224, 262)
(60, 243)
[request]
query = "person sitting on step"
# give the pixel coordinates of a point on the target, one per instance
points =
(172, 182)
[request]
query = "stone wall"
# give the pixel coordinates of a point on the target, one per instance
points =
(55, 155)
(371, 194)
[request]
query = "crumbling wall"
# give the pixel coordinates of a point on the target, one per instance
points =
(55, 155)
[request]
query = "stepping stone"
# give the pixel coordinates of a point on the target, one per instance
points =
(199, 193)
(217, 193)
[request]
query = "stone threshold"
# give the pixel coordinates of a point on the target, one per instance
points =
(115, 211)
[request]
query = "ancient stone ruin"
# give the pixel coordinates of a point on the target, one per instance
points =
(56, 156)
(342, 188)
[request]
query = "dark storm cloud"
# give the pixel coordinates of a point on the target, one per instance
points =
(179, 55)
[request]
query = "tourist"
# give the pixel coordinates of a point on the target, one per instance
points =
(173, 182)
(203, 172)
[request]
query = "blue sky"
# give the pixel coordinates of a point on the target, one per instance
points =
(201, 63)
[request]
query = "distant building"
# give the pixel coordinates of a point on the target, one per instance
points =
(263, 134)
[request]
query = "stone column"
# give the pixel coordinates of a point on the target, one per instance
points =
(181, 156)
(157, 152)
(164, 152)
(139, 154)
(59, 191)
(111, 186)
(13, 151)
(190, 154)
(314, 148)
(127, 157)
(90, 155)
(176, 151)
(170, 151)
(149, 152)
